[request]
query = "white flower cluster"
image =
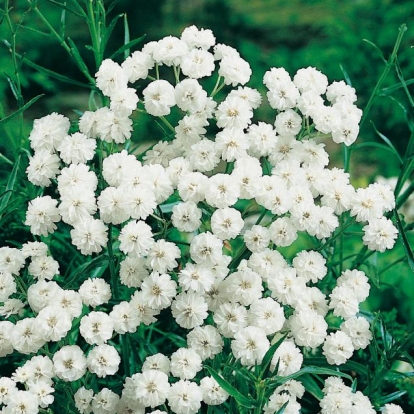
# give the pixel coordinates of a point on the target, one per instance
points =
(226, 296)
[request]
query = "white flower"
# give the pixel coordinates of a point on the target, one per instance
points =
(34, 249)
(244, 286)
(136, 238)
(366, 204)
(11, 307)
(159, 98)
(213, 394)
(283, 95)
(125, 318)
(196, 277)
(198, 64)
(83, 399)
(344, 302)
(124, 101)
(105, 402)
(338, 348)
(310, 265)
(234, 70)
(23, 402)
(70, 301)
(42, 390)
(250, 345)
(266, 314)
(41, 369)
(77, 148)
(110, 77)
(169, 51)
(234, 112)
(231, 143)
(206, 248)
(43, 167)
(283, 232)
(308, 328)
(96, 327)
(198, 38)
(6, 346)
(380, 234)
(158, 290)
(192, 187)
(53, 323)
(26, 338)
(357, 328)
(206, 341)
(185, 363)
(186, 216)
(116, 166)
(137, 65)
(226, 223)
(145, 313)
(111, 204)
(7, 285)
(277, 401)
(70, 363)
(158, 362)
(48, 132)
(222, 190)
(152, 388)
(103, 360)
(257, 238)
(94, 292)
(262, 139)
(230, 318)
(133, 271)
(113, 126)
(77, 176)
(189, 309)
(161, 256)
(89, 236)
(43, 267)
(41, 216)
(204, 156)
(42, 294)
(288, 358)
(311, 79)
(357, 281)
(77, 205)
(286, 286)
(185, 397)
(288, 123)
(392, 409)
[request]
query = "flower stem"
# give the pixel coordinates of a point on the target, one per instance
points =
(112, 269)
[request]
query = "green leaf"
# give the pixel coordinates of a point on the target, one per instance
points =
(377, 49)
(391, 89)
(110, 29)
(99, 262)
(10, 185)
(282, 408)
(15, 90)
(312, 386)
(346, 76)
(240, 398)
(267, 359)
(316, 371)
(65, 7)
(53, 74)
(78, 58)
(127, 37)
(390, 397)
(127, 46)
(22, 109)
(404, 239)
(375, 145)
(388, 142)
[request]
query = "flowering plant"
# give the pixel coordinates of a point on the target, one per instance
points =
(209, 272)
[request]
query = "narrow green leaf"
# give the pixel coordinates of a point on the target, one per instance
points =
(316, 371)
(375, 145)
(78, 58)
(127, 46)
(101, 261)
(240, 398)
(22, 109)
(390, 397)
(312, 386)
(65, 7)
(376, 48)
(53, 74)
(15, 90)
(109, 30)
(346, 76)
(62, 28)
(127, 38)
(282, 408)
(391, 89)
(267, 359)
(404, 239)
(388, 142)
(10, 184)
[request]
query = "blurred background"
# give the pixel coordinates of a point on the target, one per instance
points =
(326, 34)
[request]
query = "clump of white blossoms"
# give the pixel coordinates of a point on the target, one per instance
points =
(189, 234)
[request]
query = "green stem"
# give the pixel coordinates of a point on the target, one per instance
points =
(384, 74)
(112, 269)
(95, 34)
